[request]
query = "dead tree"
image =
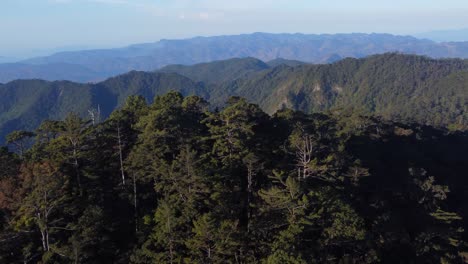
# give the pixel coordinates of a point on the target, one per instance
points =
(304, 150)
(74, 130)
(252, 164)
(119, 139)
(95, 115)
(135, 202)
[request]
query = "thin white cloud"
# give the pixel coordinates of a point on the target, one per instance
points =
(110, 1)
(60, 1)
(237, 4)
(200, 16)
(92, 1)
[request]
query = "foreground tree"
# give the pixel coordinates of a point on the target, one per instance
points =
(173, 182)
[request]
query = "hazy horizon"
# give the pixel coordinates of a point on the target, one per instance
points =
(29, 27)
(30, 53)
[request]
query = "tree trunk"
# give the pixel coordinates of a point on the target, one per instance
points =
(121, 155)
(76, 165)
(44, 246)
(135, 203)
(249, 194)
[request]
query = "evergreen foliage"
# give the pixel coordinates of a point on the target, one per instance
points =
(175, 182)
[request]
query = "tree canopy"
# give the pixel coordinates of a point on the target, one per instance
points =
(175, 182)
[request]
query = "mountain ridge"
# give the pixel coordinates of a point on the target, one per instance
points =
(310, 48)
(394, 86)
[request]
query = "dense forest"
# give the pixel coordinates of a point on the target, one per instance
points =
(178, 181)
(393, 86)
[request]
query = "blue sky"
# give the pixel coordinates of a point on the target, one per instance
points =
(31, 25)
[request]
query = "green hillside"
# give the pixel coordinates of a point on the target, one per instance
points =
(390, 85)
(280, 61)
(394, 86)
(25, 104)
(219, 71)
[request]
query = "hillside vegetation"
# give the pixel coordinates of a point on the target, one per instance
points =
(394, 86)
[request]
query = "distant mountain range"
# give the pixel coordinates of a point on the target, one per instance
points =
(6, 59)
(97, 65)
(394, 86)
(458, 35)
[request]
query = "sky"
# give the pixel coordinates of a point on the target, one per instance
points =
(35, 26)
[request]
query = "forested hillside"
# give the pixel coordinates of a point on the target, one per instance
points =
(394, 86)
(95, 65)
(219, 71)
(25, 104)
(172, 182)
(391, 85)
